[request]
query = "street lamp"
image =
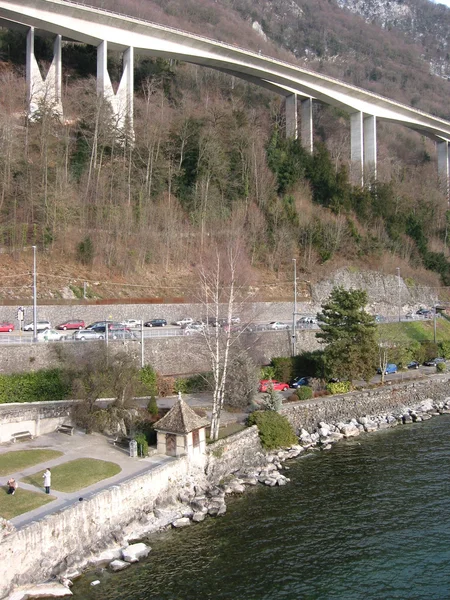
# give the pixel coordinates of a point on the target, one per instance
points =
(399, 291)
(34, 296)
(294, 314)
(434, 323)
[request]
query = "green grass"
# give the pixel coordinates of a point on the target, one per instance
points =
(18, 460)
(227, 431)
(76, 474)
(416, 331)
(22, 502)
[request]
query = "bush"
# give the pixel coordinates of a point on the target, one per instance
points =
(274, 429)
(38, 386)
(282, 366)
(309, 364)
(272, 400)
(142, 443)
(147, 376)
(340, 387)
(267, 372)
(152, 406)
(194, 383)
(441, 367)
(304, 392)
(444, 349)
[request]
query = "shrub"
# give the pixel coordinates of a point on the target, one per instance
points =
(274, 429)
(444, 349)
(282, 368)
(340, 387)
(147, 376)
(152, 406)
(142, 443)
(268, 372)
(441, 367)
(310, 364)
(195, 383)
(85, 251)
(304, 392)
(37, 386)
(272, 400)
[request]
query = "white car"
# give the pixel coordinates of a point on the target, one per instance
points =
(132, 323)
(278, 325)
(49, 335)
(88, 334)
(184, 321)
(40, 326)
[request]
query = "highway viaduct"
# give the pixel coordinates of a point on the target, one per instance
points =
(301, 87)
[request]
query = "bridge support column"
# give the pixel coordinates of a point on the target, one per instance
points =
(444, 167)
(291, 116)
(307, 125)
(370, 147)
(43, 90)
(356, 144)
(121, 102)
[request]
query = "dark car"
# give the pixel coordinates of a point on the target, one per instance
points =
(298, 382)
(413, 365)
(155, 323)
(425, 313)
(100, 326)
(434, 361)
(71, 324)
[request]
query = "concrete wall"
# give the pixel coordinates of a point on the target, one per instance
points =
(169, 355)
(371, 402)
(66, 537)
(36, 417)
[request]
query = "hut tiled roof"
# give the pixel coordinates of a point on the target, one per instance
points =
(180, 419)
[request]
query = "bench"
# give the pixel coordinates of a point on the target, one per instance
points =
(122, 441)
(21, 435)
(68, 429)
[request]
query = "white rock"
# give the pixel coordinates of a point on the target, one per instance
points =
(198, 517)
(136, 551)
(41, 590)
(350, 430)
(105, 557)
(94, 583)
(183, 522)
(118, 565)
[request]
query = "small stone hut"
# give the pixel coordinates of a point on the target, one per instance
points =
(181, 431)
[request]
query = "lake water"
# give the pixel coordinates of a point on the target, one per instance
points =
(369, 519)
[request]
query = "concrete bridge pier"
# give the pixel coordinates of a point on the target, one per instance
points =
(121, 102)
(291, 116)
(43, 90)
(444, 167)
(307, 125)
(370, 147)
(306, 130)
(363, 140)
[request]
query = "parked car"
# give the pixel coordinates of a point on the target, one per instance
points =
(132, 323)
(40, 326)
(425, 313)
(155, 323)
(72, 324)
(194, 327)
(88, 334)
(49, 335)
(411, 315)
(6, 326)
(379, 319)
(413, 365)
(184, 321)
(390, 368)
(264, 384)
(307, 321)
(122, 334)
(100, 326)
(434, 361)
(278, 325)
(298, 382)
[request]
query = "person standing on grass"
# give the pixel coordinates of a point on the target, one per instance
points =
(12, 486)
(47, 480)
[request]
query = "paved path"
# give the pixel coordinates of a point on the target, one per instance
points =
(79, 445)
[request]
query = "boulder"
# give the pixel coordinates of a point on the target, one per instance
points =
(198, 517)
(407, 418)
(370, 426)
(41, 590)
(350, 430)
(105, 557)
(134, 552)
(182, 522)
(118, 565)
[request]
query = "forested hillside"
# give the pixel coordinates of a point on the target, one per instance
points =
(210, 160)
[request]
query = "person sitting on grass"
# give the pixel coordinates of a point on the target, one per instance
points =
(12, 486)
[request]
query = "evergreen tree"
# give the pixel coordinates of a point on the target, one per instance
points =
(349, 332)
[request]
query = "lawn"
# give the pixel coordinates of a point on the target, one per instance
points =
(18, 460)
(22, 502)
(420, 331)
(76, 474)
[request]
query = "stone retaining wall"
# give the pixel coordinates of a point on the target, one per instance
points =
(38, 418)
(386, 399)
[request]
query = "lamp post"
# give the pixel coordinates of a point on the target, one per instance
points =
(34, 296)
(399, 304)
(434, 323)
(294, 314)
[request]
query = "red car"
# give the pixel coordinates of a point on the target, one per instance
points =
(277, 385)
(71, 324)
(6, 327)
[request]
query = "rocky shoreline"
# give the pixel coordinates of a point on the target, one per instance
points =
(194, 498)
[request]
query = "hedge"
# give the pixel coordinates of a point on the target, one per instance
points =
(274, 429)
(38, 386)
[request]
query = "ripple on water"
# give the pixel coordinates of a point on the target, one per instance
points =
(367, 520)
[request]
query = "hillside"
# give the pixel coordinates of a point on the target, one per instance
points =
(209, 161)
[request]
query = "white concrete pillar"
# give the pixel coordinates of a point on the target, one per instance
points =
(291, 116)
(444, 166)
(122, 102)
(357, 153)
(370, 147)
(43, 89)
(307, 125)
